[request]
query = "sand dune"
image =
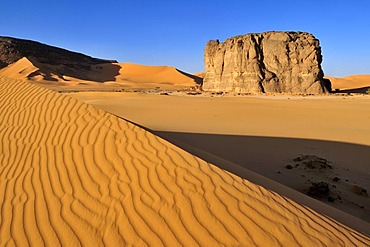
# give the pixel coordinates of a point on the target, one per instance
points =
(153, 74)
(350, 82)
(30, 69)
(114, 75)
(20, 69)
(264, 134)
(74, 175)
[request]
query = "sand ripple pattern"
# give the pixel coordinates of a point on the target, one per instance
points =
(73, 175)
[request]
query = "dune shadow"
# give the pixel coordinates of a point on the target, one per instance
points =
(269, 157)
(198, 80)
(362, 90)
(251, 150)
(108, 71)
(83, 71)
(47, 76)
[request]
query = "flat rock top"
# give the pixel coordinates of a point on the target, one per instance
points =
(269, 62)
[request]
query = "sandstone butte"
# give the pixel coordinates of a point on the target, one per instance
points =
(269, 62)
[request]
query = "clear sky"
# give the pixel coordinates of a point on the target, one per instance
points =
(175, 32)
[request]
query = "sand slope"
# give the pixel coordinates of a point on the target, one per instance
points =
(74, 175)
(153, 74)
(350, 82)
(20, 69)
(264, 134)
(124, 75)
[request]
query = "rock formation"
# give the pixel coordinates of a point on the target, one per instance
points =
(270, 62)
(12, 49)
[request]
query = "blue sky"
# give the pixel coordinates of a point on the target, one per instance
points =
(175, 32)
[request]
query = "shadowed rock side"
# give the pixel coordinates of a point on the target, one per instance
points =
(73, 175)
(270, 62)
(13, 49)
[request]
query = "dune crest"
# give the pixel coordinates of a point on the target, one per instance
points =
(153, 74)
(350, 82)
(121, 74)
(30, 69)
(21, 69)
(74, 175)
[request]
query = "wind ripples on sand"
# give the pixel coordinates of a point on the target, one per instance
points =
(73, 175)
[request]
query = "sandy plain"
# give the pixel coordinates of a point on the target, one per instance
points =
(74, 174)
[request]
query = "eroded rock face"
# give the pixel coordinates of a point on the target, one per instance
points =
(282, 62)
(12, 49)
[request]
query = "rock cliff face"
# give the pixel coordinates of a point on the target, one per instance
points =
(265, 63)
(12, 49)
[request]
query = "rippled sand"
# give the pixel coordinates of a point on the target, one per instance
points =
(74, 175)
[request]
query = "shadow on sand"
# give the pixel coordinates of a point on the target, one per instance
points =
(268, 156)
(362, 90)
(198, 80)
(90, 72)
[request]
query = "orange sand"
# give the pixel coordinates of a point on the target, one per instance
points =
(103, 76)
(264, 134)
(350, 82)
(74, 175)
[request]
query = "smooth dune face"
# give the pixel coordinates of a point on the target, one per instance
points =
(74, 175)
(153, 74)
(20, 69)
(122, 74)
(350, 82)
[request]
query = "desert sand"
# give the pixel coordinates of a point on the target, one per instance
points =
(264, 134)
(101, 77)
(72, 174)
(352, 84)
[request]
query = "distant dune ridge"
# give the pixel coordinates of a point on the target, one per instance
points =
(121, 74)
(354, 83)
(52, 66)
(74, 175)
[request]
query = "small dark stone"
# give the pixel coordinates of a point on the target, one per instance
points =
(336, 179)
(289, 167)
(339, 198)
(330, 199)
(359, 190)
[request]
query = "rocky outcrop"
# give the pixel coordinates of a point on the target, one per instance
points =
(12, 49)
(270, 62)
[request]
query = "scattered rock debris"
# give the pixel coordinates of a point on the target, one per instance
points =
(313, 162)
